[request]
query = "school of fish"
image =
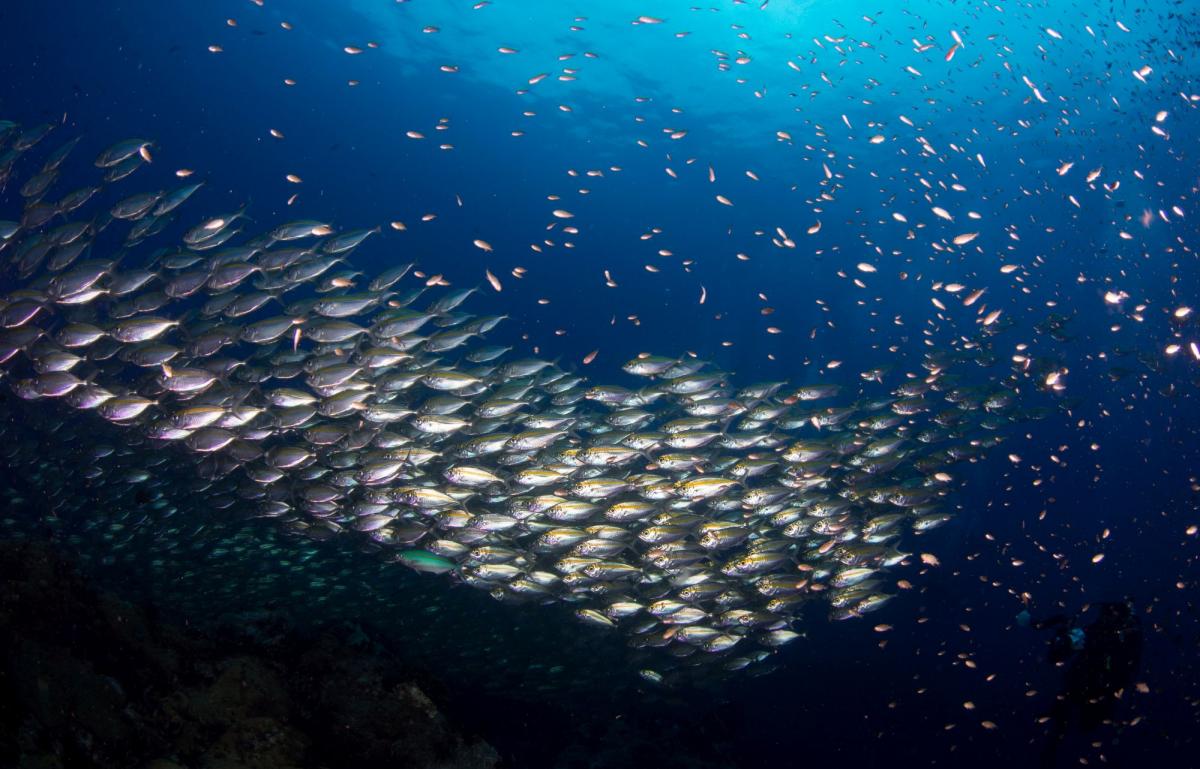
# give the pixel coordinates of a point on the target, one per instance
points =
(683, 511)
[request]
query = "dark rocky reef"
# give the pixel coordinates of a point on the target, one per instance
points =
(88, 680)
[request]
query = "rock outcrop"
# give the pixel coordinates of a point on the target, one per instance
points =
(88, 680)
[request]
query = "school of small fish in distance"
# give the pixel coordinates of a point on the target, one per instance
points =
(688, 513)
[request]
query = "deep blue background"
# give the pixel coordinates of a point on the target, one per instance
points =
(112, 70)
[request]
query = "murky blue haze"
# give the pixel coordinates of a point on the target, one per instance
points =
(638, 129)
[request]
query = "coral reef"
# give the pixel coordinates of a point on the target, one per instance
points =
(89, 680)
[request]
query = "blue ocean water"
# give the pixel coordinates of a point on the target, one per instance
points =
(640, 131)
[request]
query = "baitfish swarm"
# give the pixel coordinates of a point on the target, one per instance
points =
(687, 513)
